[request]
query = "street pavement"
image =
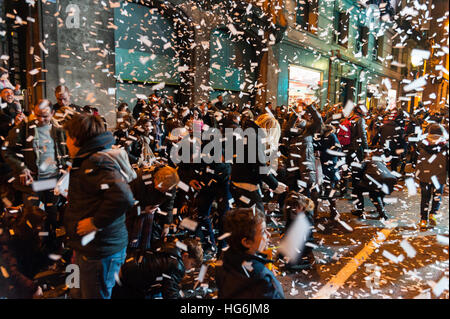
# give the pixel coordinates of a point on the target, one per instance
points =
(370, 259)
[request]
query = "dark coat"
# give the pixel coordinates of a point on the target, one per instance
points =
(233, 282)
(327, 160)
(358, 142)
(252, 173)
(143, 229)
(438, 167)
(152, 272)
(300, 148)
(97, 189)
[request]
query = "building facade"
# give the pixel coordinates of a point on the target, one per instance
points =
(253, 51)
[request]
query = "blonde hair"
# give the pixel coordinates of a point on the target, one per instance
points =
(272, 129)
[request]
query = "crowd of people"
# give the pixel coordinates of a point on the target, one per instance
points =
(117, 203)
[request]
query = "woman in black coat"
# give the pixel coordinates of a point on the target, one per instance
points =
(248, 170)
(329, 148)
(299, 148)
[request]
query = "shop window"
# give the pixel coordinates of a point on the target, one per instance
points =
(307, 15)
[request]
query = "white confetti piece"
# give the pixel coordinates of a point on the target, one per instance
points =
(435, 182)
(294, 240)
(183, 186)
(416, 84)
(244, 199)
(181, 245)
(226, 235)
(44, 185)
(104, 186)
(441, 286)
(202, 273)
(411, 185)
(189, 224)
(390, 256)
(86, 239)
(349, 106)
(345, 225)
(409, 250)
(54, 257)
(443, 240)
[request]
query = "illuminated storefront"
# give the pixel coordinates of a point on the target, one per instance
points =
(304, 84)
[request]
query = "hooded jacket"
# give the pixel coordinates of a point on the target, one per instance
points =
(151, 272)
(98, 189)
(255, 282)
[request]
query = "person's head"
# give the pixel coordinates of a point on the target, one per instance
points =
(435, 133)
(144, 125)
(193, 257)
(43, 111)
(123, 107)
(327, 129)
(272, 128)
(247, 227)
(165, 179)
(80, 129)
(220, 98)
(62, 95)
(7, 95)
(87, 109)
(155, 111)
(296, 203)
(233, 118)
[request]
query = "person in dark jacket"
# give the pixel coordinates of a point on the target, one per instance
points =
(432, 173)
(36, 152)
(299, 142)
(391, 138)
(149, 221)
(358, 144)
(372, 176)
(249, 169)
(329, 148)
(241, 273)
(98, 198)
(139, 107)
(155, 273)
(23, 254)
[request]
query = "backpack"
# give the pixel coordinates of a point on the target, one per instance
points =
(344, 133)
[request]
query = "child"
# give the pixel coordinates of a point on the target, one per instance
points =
(295, 204)
(432, 171)
(243, 274)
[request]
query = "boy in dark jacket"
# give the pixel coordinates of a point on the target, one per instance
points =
(158, 272)
(432, 172)
(98, 198)
(242, 274)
